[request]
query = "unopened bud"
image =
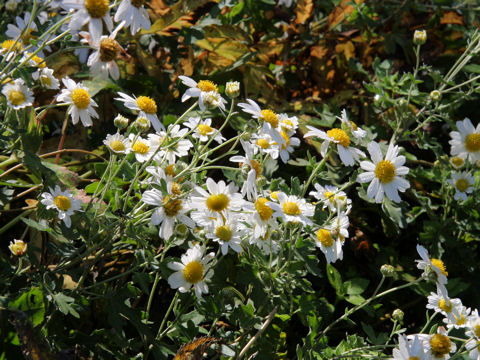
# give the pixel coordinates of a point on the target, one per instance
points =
(261, 181)
(435, 95)
(398, 315)
(232, 89)
(181, 230)
(18, 247)
(420, 37)
(142, 124)
(121, 122)
(11, 5)
(387, 270)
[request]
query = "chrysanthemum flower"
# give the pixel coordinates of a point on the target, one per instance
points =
(285, 148)
(254, 170)
(441, 302)
(428, 265)
(437, 346)
(262, 219)
(287, 124)
(331, 197)
(10, 48)
(356, 131)
(463, 183)
(201, 90)
(292, 209)
(118, 143)
(63, 202)
(330, 246)
(473, 325)
(146, 106)
(46, 78)
(15, 30)
(457, 319)
(93, 12)
(193, 270)
(203, 130)
(384, 174)
(457, 162)
(134, 14)
(465, 142)
(80, 101)
(142, 148)
(18, 94)
(228, 232)
(409, 349)
(172, 144)
(18, 247)
(102, 61)
(263, 143)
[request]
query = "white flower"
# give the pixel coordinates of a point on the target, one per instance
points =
(285, 148)
(440, 302)
(409, 349)
(473, 345)
(437, 346)
(63, 202)
(463, 183)
(93, 12)
(339, 227)
(330, 246)
(348, 154)
(292, 209)
(465, 142)
(203, 130)
(263, 143)
(18, 94)
(146, 107)
(228, 232)
(457, 162)
(212, 100)
(431, 264)
(194, 269)
(9, 48)
(18, 247)
(170, 208)
(287, 124)
(142, 148)
(14, 31)
(172, 142)
(262, 219)
(354, 129)
(134, 14)
(255, 169)
(266, 115)
(82, 104)
(118, 143)
(458, 317)
(473, 325)
(331, 197)
(46, 78)
(200, 90)
(384, 174)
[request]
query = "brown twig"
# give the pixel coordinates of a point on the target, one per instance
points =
(267, 322)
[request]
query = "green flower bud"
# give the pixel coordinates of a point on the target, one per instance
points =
(398, 315)
(142, 124)
(121, 122)
(232, 89)
(387, 270)
(435, 95)
(420, 37)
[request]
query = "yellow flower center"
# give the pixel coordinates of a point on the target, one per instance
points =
(207, 85)
(274, 195)
(7, 45)
(204, 129)
(329, 196)
(263, 209)
(324, 237)
(18, 248)
(340, 136)
(354, 126)
(440, 345)
(413, 358)
(147, 104)
(16, 97)
(439, 264)
(137, 3)
(270, 117)
(476, 330)
(140, 147)
(462, 184)
(257, 167)
(286, 124)
(460, 320)
(169, 170)
(117, 145)
(45, 80)
(39, 61)
(472, 142)
(176, 188)
(223, 233)
(171, 206)
(445, 306)
(109, 50)
(193, 272)
(62, 202)
(218, 202)
(385, 171)
(291, 208)
(97, 8)
(81, 98)
(263, 143)
(457, 161)
(286, 138)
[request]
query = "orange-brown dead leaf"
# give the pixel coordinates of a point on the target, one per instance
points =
(451, 17)
(303, 10)
(341, 12)
(318, 51)
(347, 48)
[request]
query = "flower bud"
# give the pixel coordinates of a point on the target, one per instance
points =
(398, 315)
(212, 99)
(261, 181)
(387, 270)
(420, 37)
(181, 230)
(11, 5)
(435, 95)
(142, 124)
(18, 247)
(232, 89)
(121, 122)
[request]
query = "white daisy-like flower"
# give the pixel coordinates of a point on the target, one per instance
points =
(254, 170)
(46, 78)
(81, 104)
(473, 325)
(263, 143)
(348, 154)
(457, 162)
(330, 246)
(264, 242)
(268, 118)
(428, 265)
(465, 142)
(473, 345)
(134, 14)
(458, 317)
(213, 100)
(146, 106)
(437, 346)
(463, 183)
(63, 202)
(287, 124)
(440, 301)
(338, 227)
(193, 270)
(285, 148)
(10, 48)
(356, 131)
(292, 209)
(261, 217)
(172, 142)
(200, 90)
(142, 148)
(331, 197)
(118, 143)
(170, 209)
(384, 174)
(15, 30)
(228, 232)
(93, 12)
(18, 247)
(18, 94)
(409, 349)
(203, 130)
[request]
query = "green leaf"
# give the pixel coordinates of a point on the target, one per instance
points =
(335, 279)
(356, 286)
(64, 304)
(32, 304)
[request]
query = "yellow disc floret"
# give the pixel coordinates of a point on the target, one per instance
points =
(440, 345)
(62, 202)
(385, 171)
(172, 206)
(45, 80)
(263, 209)
(147, 104)
(472, 142)
(224, 233)
(204, 129)
(176, 188)
(207, 85)
(286, 138)
(117, 145)
(39, 61)
(476, 330)
(80, 98)
(439, 264)
(445, 305)
(218, 202)
(16, 97)
(291, 208)
(324, 237)
(97, 8)
(329, 196)
(263, 143)
(340, 136)
(270, 117)
(8, 44)
(140, 147)
(193, 272)
(462, 184)
(109, 50)
(257, 167)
